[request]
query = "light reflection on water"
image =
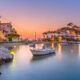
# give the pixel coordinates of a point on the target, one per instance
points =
(79, 50)
(59, 49)
(58, 66)
(22, 58)
(12, 66)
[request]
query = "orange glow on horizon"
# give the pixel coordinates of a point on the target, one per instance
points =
(29, 32)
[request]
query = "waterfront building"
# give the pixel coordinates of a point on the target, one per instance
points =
(1, 36)
(5, 29)
(61, 34)
(50, 34)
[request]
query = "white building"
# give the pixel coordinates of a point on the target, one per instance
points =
(7, 28)
(50, 34)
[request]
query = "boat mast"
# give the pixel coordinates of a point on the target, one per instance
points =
(35, 36)
(0, 19)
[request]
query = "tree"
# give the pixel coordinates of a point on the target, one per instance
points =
(12, 35)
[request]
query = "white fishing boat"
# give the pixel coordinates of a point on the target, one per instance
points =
(46, 51)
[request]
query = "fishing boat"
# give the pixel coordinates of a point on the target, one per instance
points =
(46, 51)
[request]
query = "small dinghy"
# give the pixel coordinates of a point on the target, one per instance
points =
(46, 51)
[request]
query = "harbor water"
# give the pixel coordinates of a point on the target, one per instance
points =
(62, 65)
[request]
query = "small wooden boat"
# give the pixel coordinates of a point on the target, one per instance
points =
(46, 51)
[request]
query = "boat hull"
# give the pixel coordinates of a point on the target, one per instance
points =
(42, 52)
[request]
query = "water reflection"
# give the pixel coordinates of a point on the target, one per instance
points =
(22, 56)
(79, 50)
(59, 49)
(25, 67)
(12, 66)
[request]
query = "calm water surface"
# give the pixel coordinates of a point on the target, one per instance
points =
(64, 65)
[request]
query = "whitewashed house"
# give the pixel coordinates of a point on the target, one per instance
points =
(6, 28)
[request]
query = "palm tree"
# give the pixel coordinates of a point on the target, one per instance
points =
(70, 24)
(75, 26)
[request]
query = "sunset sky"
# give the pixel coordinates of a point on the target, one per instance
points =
(30, 16)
